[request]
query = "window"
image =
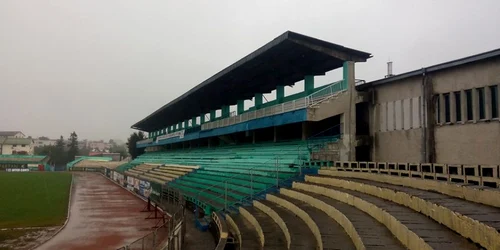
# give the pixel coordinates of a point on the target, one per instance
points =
(458, 106)
(23, 145)
(438, 109)
(447, 117)
(494, 101)
(15, 145)
(480, 93)
(468, 96)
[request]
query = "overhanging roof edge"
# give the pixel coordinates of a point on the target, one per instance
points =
(288, 35)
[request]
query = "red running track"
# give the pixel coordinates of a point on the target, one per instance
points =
(103, 216)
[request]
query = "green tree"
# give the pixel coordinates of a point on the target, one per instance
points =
(72, 146)
(131, 143)
(58, 156)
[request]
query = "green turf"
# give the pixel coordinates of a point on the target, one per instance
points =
(34, 199)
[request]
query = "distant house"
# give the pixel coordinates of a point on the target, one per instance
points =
(16, 145)
(44, 142)
(11, 134)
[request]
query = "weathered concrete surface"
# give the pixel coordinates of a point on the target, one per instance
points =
(102, 216)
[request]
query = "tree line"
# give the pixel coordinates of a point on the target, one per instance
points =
(62, 152)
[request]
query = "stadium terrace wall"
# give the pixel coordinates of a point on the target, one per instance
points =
(264, 122)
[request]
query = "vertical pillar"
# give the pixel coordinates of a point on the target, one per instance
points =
(240, 107)
(225, 111)
(442, 111)
(309, 84)
(193, 121)
(253, 137)
(280, 94)
(305, 131)
(348, 118)
(463, 104)
(212, 115)
(275, 134)
(258, 101)
(475, 105)
(453, 108)
(487, 103)
(345, 72)
(202, 119)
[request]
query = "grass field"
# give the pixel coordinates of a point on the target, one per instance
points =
(35, 199)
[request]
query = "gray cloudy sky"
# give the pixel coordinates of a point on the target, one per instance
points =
(98, 66)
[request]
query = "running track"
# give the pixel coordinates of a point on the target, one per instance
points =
(103, 216)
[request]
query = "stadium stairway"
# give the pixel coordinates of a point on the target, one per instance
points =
(353, 210)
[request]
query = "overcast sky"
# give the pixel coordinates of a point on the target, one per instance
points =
(98, 66)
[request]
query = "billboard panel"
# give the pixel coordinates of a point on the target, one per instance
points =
(144, 188)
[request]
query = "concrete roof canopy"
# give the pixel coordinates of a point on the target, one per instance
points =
(281, 62)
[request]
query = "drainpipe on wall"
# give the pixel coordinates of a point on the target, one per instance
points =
(423, 156)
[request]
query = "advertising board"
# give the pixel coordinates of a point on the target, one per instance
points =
(144, 188)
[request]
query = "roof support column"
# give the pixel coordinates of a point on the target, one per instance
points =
(202, 119)
(193, 121)
(240, 107)
(225, 111)
(186, 124)
(309, 84)
(280, 94)
(212, 115)
(258, 101)
(348, 118)
(345, 70)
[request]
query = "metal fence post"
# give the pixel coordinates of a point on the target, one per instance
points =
(154, 239)
(225, 195)
(277, 174)
(251, 184)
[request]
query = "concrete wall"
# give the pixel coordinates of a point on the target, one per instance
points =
(397, 118)
(396, 121)
(472, 142)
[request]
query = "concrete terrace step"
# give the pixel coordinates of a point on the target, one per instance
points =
(435, 235)
(333, 236)
(300, 236)
(373, 234)
(274, 238)
(248, 237)
(478, 222)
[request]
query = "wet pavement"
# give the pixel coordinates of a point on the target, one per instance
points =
(103, 216)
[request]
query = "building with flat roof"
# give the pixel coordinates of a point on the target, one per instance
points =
(445, 113)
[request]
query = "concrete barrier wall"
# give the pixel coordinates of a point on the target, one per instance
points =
(480, 175)
(407, 237)
(478, 195)
(332, 212)
(275, 216)
(469, 228)
(301, 214)
(249, 217)
(223, 232)
(233, 228)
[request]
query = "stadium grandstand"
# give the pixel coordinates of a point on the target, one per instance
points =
(348, 165)
(24, 163)
(95, 163)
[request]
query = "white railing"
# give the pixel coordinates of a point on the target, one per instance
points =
(315, 98)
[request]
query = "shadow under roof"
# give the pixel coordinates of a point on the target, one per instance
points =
(283, 61)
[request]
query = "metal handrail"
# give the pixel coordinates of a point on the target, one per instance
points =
(225, 184)
(312, 99)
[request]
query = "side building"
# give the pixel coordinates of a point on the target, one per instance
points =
(447, 113)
